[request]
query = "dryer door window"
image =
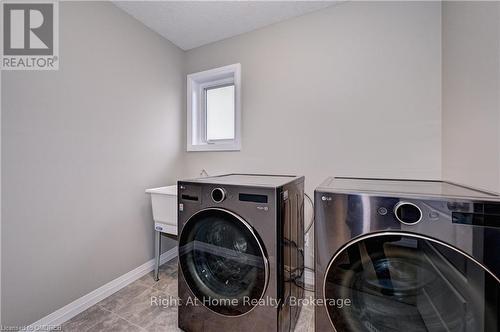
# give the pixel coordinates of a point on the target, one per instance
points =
(401, 282)
(223, 262)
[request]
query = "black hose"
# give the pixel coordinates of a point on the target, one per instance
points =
(308, 228)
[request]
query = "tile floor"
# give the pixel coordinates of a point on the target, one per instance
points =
(130, 308)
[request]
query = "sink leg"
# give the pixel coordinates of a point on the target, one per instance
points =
(157, 254)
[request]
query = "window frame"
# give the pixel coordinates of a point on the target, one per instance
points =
(197, 84)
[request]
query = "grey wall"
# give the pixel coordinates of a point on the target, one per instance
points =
(471, 92)
(351, 90)
(79, 146)
(354, 89)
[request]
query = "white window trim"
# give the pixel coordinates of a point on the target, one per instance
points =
(196, 83)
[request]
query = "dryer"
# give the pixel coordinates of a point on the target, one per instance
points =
(405, 255)
(240, 252)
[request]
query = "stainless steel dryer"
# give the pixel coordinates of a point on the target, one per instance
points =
(240, 252)
(394, 255)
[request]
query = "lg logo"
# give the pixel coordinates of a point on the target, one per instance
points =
(28, 29)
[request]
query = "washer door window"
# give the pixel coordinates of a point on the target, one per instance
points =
(401, 282)
(223, 262)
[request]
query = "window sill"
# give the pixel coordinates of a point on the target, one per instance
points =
(214, 147)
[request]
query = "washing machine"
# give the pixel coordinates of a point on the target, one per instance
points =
(241, 247)
(403, 255)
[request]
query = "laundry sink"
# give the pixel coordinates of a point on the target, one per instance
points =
(164, 205)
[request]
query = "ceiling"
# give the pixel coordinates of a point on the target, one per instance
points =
(189, 24)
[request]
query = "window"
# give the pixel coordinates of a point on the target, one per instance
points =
(220, 112)
(213, 107)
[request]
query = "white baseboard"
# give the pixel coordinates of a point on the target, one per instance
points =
(83, 303)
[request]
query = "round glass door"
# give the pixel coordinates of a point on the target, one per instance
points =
(403, 282)
(223, 261)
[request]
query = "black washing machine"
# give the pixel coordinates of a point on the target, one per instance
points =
(403, 255)
(241, 248)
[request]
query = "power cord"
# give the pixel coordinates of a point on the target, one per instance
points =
(308, 228)
(298, 276)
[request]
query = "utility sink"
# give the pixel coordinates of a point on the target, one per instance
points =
(164, 205)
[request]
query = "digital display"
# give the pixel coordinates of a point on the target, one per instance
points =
(476, 219)
(189, 197)
(253, 198)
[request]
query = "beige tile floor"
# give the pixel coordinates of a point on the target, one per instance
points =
(130, 308)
